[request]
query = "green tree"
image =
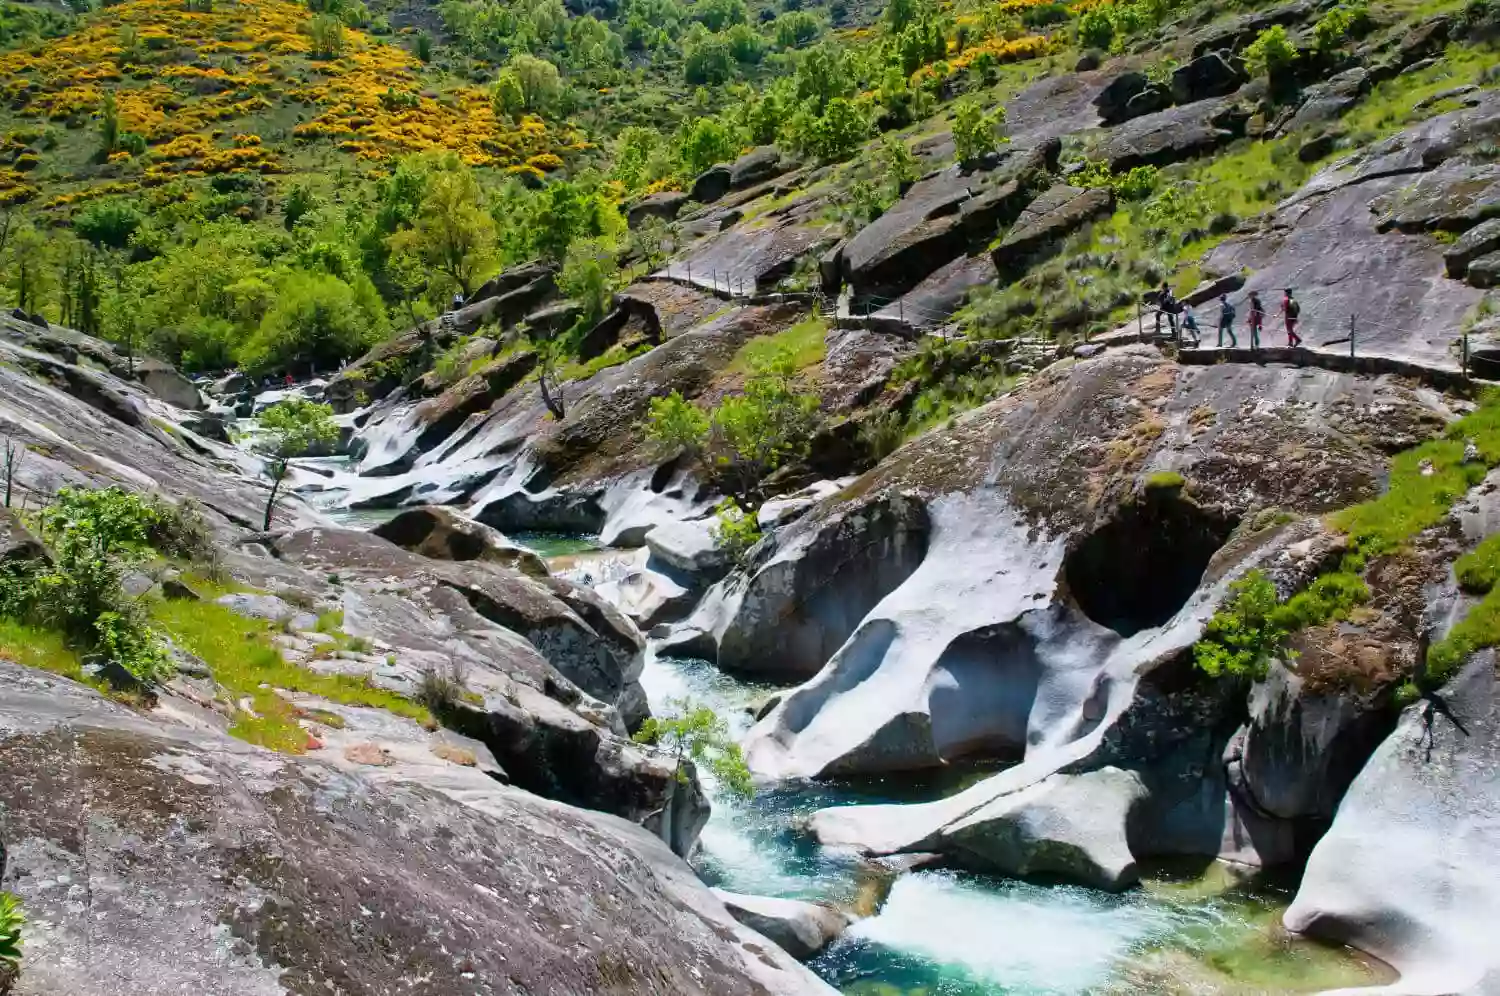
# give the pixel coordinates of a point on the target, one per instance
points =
(695, 732)
(328, 36)
(745, 44)
(976, 133)
(587, 277)
(30, 274)
(452, 232)
(507, 97)
(109, 125)
(898, 164)
(316, 319)
(292, 427)
(703, 142)
(1271, 53)
(108, 223)
(716, 15)
(747, 436)
(540, 82)
(707, 60)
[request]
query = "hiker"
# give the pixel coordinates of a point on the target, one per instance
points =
(1290, 312)
(1166, 305)
(1226, 322)
(1190, 325)
(1257, 319)
(289, 381)
(458, 302)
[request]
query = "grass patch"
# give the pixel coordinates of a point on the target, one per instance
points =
(1166, 480)
(1391, 104)
(1425, 482)
(243, 659)
(1475, 631)
(611, 357)
(1479, 569)
(43, 649)
(806, 340)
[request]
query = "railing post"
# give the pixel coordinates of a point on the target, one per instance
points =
(1351, 337)
(1466, 354)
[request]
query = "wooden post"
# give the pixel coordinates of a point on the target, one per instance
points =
(1465, 354)
(1351, 336)
(1140, 320)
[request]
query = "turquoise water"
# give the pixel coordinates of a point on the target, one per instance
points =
(943, 933)
(555, 544)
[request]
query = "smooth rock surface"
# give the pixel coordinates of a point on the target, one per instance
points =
(798, 928)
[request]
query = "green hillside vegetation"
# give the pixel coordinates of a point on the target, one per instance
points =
(263, 184)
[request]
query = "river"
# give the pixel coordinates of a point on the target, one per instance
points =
(942, 933)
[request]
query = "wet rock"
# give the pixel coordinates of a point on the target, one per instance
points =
(664, 204)
(1172, 135)
(689, 548)
(1213, 74)
(1303, 746)
(1070, 826)
(1041, 228)
(1482, 239)
(798, 928)
(314, 867)
(1408, 870)
(792, 611)
(446, 534)
(649, 597)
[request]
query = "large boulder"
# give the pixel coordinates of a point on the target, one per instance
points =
(1172, 135)
(1130, 95)
(1213, 74)
(1039, 232)
(756, 166)
(1481, 240)
(1410, 870)
(1069, 826)
(802, 600)
(798, 928)
(712, 184)
(689, 549)
(508, 280)
(664, 205)
(918, 233)
(163, 380)
(218, 868)
(446, 534)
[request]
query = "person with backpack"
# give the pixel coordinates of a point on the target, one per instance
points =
(1290, 312)
(1257, 319)
(1226, 322)
(1166, 304)
(1190, 326)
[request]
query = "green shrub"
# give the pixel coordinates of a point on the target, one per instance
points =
(735, 531)
(1271, 52)
(695, 731)
(1343, 22)
(1095, 28)
(975, 132)
(1166, 480)
(1476, 631)
(1251, 627)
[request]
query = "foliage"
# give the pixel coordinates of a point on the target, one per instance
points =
(747, 436)
(588, 276)
(1479, 569)
(1096, 29)
(248, 664)
(1271, 52)
(108, 223)
(704, 142)
(829, 136)
(1252, 626)
(975, 131)
(1479, 629)
(12, 919)
(1166, 480)
(735, 531)
(1138, 184)
(452, 233)
(692, 731)
(292, 427)
(94, 537)
(1346, 21)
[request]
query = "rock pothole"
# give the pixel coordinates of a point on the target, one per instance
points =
(1138, 569)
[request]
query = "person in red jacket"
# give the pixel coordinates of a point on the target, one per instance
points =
(1290, 312)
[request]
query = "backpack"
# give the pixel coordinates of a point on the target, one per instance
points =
(1293, 309)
